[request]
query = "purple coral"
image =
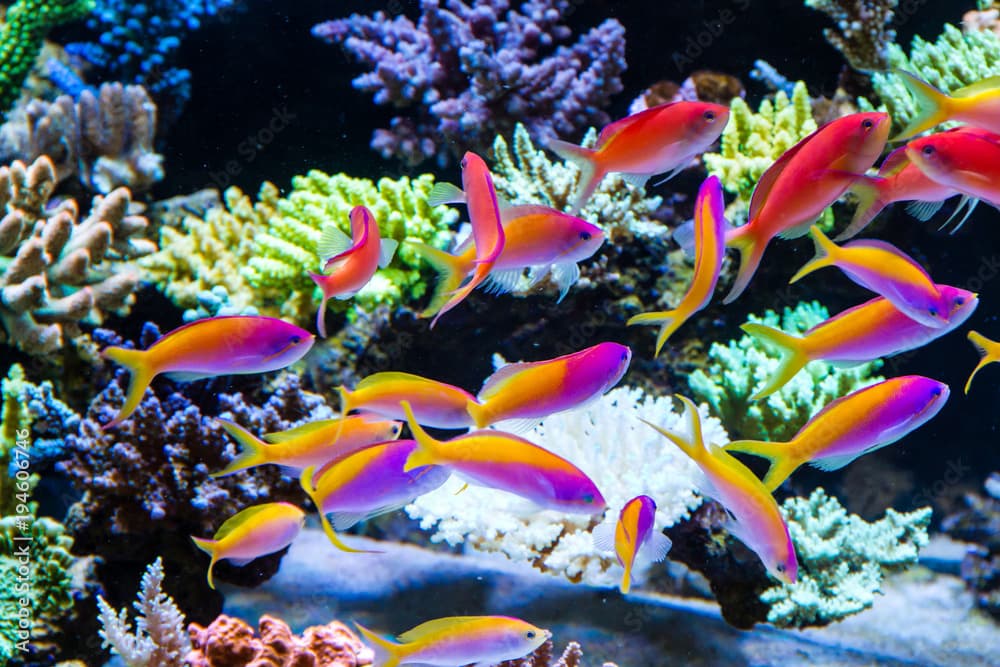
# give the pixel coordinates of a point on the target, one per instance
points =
(469, 73)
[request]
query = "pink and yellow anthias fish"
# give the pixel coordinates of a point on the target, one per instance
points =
(899, 179)
(966, 159)
(851, 426)
(349, 262)
(529, 391)
(234, 345)
(755, 518)
(254, 532)
(863, 333)
(710, 250)
(311, 444)
(488, 235)
(989, 352)
(543, 240)
(808, 178)
(886, 270)
(436, 404)
(457, 641)
(632, 537)
(367, 483)
(662, 139)
(977, 104)
(509, 463)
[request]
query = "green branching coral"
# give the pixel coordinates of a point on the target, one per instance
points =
(842, 559)
(527, 176)
(951, 62)
(23, 33)
(739, 368)
(15, 427)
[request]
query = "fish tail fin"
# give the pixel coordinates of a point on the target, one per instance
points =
(452, 270)
(323, 286)
(208, 546)
(585, 160)
(253, 450)
(668, 320)
(869, 191)
(751, 252)
(626, 584)
(306, 482)
(793, 356)
(480, 415)
(778, 453)
(934, 106)
(986, 355)
(138, 365)
(424, 454)
(387, 653)
(826, 255)
(695, 446)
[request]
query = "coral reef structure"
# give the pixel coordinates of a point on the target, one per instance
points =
(978, 523)
(863, 32)
(842, 559)
(467, 72)
(737, 369)
(572, 656)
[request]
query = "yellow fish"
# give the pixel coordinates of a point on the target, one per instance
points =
(977, 104)
(989, 351)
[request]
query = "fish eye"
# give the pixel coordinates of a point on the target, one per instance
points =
(296, 340)
(585, 236)
(530, 634)
(867, 123)
(709, 116)
(959, 301)
(588, 498)
(465, 163)
(780, 567)
(936, 391)
(933, 312)
(928, 150)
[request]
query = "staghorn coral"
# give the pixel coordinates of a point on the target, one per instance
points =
(466, 72)
(58, 270)
(159, 638)
(863, 34)
(105, 139)
(736, 370)
(842, 559)
(230, 642)
(609, 443)
(571, 656)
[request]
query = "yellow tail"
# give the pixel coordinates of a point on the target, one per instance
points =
(208, 546)
(826, 255)
(669, 320)
(387, 653)
(424, 454)
(480, 414)
(626, 584)
(306, 482)
(934, 106)
(253, 450)
(793, 356)
(138, 364)
(868, 190)
(695, 447)
(988, 353)
(778, 453)
(751, 252)
(591, 173)
(453, 270)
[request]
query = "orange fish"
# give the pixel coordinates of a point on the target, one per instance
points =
(658, 140)
(632, 535)
(808, 178)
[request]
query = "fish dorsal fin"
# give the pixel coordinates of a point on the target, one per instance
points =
(767, 180)
(611, 130)
(239, 519)
(986, 85)
(390, 376)
(445, 193)
(332, 242)
(894, 163)
(511, 213)
(924, 210)
(299, 431)
(494, 384)
(430, 628)
(386, 251)
(885, 246)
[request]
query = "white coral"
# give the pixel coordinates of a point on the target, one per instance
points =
(607, 440)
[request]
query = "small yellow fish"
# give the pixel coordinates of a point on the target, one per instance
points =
(989, 351)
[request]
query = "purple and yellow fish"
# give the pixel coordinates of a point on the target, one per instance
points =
(457, 641)
(509, 463)
(851, 426)
(710, 250)
(886, 270)
(436, 404)
(311, 444)
(367, 483)
(989, 352)
(755, 518)
(529, 391)
(863, 333)
(234, 345)
(632, 538)
(254, 532)
(977, 104)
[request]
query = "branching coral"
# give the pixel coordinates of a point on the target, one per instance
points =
(55, 270)
(159, 638)
(609, 443)
(842, 559)
(739, 368)
(863, 33)
(470, 71)
(572, 656)
(105, 139)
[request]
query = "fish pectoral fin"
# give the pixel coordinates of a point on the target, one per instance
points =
(671, 174)
(635, 180)
(565, 276)
(503, 282)
(655, 549)
(332, 242)
(924, 210)
(386, 251)
(829, 463)
(187, 376)
(445, 193)
(240, 562)
(798, 230)
(345, 520)
(603, 535)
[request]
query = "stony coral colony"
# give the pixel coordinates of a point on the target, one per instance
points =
(575, 459)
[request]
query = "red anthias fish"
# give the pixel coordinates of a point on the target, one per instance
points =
(966, 159)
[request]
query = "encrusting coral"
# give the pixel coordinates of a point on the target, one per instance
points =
(230, 642)
(739, 368)
(842, 559)
(623, 456)
(863, 32)
(105, 139)
(55, 269)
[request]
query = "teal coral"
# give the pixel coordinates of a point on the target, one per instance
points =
(25, 26)
(842, 559)
(740, 367)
